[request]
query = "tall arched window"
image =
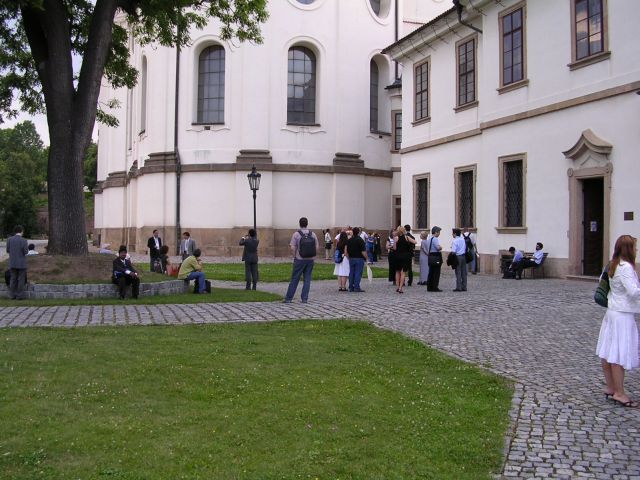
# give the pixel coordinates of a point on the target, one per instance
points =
(375, 6)
(143, 96)
(301, 86)
(211, 85)
(374, 80)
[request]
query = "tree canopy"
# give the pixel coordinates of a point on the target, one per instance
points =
(40, 39)
(23, 168)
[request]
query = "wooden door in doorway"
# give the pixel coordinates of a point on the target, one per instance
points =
(592, 225)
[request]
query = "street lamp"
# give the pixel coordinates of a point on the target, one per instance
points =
(254, 185)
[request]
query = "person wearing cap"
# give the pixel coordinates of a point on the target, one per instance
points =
(459, 247)
(434, 248)
(124, 274)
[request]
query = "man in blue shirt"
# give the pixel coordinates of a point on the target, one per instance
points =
(459, 247)
(536, 261)
(517, 258)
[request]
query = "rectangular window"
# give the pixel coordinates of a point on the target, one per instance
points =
(421, 88)
(465, 178)
(589, 27)
(397, 130)
(421, 195)
(512, 34)
(513, 194)
(512, 190)
(466, 63)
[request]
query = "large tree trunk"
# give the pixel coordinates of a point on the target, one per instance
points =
(71, 110)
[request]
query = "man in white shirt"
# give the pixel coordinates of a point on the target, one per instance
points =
(459, 247)
(536, 261)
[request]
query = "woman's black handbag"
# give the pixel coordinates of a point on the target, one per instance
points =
(602, 290)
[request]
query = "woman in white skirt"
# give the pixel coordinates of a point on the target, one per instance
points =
(618, 340)
(341, 269)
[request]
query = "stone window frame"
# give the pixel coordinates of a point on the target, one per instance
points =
(456, 182)
(605, 54)
(473, 103)
(427, 117)
(503, 88)
(502, 207)
(415, 180)
(394, 130)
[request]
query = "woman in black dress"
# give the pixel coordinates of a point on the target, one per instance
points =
(403, 256)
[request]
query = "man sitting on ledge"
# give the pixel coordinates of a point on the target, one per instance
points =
(124, 274)
(191, 269)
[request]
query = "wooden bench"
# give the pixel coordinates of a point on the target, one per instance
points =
(534, 271)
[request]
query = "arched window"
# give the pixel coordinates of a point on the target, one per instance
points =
(374, 80)
(143, 96)
(301, 86)
(211, 85)
(375, 6)
(306, 2)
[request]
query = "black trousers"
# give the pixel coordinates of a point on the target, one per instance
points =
(392, 266)
(251, 274)
(433, 279)
(123, 281)
(410, 272)
(524, 263)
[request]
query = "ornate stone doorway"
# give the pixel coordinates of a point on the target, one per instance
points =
(589, 204)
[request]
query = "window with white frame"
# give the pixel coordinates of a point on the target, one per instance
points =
(211, 69)
(301, 86)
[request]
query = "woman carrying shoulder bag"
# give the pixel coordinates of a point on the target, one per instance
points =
(618, 340)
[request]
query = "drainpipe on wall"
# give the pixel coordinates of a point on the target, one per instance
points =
(175, 146)
(396, 35)
(460, 8)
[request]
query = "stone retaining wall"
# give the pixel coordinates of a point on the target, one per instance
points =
(98, 290)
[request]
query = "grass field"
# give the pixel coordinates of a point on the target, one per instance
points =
(276, 272)
(284, 400)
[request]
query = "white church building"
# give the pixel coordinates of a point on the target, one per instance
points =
(519, 120)
(308, 108)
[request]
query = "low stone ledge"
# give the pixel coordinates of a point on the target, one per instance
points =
(97, 290)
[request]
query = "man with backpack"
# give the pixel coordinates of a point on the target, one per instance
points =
(304, 247)
(472, 250)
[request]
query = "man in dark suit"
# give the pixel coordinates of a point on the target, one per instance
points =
(17, 248)
(124, 274)
(153, 244)
(250, 258)
(413, 247)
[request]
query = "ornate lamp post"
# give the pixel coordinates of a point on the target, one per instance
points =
(254, 185)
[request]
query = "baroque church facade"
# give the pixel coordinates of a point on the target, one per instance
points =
(516, 119)
(308, 107)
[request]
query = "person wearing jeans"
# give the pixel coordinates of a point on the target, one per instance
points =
(356, 250)
(302, 267)
(191, 269)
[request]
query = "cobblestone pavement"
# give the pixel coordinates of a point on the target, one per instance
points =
(540, 333)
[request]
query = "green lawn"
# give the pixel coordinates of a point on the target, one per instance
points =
(218, 295)
(276, 272)
(284, 400)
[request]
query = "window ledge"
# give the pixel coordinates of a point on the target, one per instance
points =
(466, 106)
(513, 86)
(583, 62)
(380, 133)
(421, 121)
(512, 230)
